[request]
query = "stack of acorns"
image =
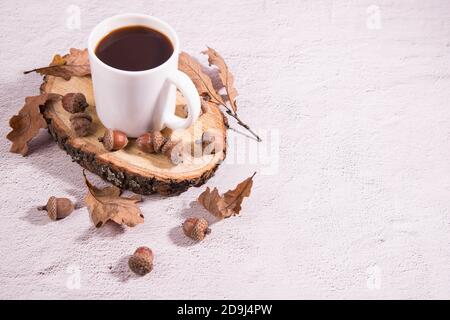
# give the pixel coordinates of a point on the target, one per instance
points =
(155, 142)
(80, 121)
(150, 142)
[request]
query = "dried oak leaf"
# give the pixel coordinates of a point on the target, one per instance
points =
(230, 203)
(201, 80)
(76, 63)
(107, 204)
(214, 58)
(27, 123)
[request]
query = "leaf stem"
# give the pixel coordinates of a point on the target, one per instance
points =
(29, 71)
(40, 69)
(56, 66)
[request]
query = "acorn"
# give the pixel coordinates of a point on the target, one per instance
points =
(196, 228)
(114, 140)
(58, 208)
(145, 143)
(74, 102)
(81, 123)
(211, 141)
(141, 262)
(158, 141)
(151, 142)
(173, 149)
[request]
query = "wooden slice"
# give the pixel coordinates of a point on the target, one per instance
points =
(130, 168)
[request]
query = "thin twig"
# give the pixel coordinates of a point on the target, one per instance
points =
(240, 122)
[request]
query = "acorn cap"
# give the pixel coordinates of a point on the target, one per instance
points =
(140, 265)
(169, 145)
(51, 208)
(158, 141)
(108, 139)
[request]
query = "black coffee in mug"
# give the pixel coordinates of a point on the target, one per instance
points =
(134, 48)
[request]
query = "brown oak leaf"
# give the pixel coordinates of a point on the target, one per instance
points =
(76, 63)
(107, 204)
(201, 80)
(27, 123)
(214, 58)
(230, 203)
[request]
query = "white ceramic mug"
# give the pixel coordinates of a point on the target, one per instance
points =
(136, 102)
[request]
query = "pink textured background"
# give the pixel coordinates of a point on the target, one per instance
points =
(358, 207)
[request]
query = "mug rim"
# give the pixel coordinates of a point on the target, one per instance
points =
(172, 37)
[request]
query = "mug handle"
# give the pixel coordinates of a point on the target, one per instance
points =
(187, 88)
